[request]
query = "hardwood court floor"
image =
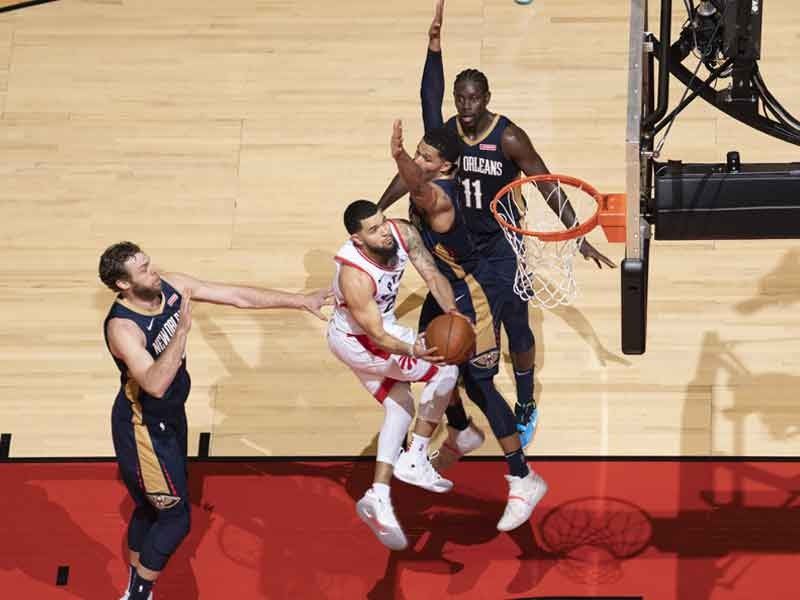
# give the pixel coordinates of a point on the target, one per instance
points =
(227, 138)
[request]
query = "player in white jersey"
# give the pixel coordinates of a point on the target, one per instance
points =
(387, 357)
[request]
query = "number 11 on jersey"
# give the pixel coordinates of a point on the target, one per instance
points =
(472, 194)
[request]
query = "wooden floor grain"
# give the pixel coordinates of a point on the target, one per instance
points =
(226, 139)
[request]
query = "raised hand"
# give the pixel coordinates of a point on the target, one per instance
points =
(591, 253)
(435, 30)
(396, 144)
(185, 322)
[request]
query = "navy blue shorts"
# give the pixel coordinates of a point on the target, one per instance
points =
(152, 460)
(479, 297)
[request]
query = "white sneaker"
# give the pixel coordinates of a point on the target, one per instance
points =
(416, 468)
(457, 444)
(379, 516)
(524, 494)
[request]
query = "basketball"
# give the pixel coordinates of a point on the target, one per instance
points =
(453, 336)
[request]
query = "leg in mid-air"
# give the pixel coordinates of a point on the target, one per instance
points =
(387, 377)
(526, 488)
(522, 348)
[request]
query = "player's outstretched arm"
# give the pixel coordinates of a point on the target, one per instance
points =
(423, 194)
(357, 288)
(431, 95)
(426, 267)
(251, 297)
(127, 342)
(396, 190)
(432, 87)
(518, 147)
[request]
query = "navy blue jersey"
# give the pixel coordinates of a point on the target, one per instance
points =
(158, 326)
(484, 171)
(454, 251)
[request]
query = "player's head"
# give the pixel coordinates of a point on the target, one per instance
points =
(368, 228)
(438, 153)
(124, 268)
(471, 95)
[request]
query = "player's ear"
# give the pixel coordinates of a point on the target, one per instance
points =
(356, 240)
(123, 285)
(488, 97)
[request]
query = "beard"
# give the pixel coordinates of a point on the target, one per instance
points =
(146, 294)
(386, 254)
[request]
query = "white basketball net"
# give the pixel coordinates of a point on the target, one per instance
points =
(545, 274)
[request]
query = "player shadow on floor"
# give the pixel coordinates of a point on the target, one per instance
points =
(320, 268)
(727, 524)
(438, 526)
(778, 288)
(254, 536)
(29, 508)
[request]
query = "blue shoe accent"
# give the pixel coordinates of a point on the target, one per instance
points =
(524, 1)
(527, 430)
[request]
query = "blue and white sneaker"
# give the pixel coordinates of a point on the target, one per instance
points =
(527, 429)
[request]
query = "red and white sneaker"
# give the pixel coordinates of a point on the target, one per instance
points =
(416, 468)
(457, 444)
(524, 494)
(378, 514)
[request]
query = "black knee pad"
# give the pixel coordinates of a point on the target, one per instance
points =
(165, 536)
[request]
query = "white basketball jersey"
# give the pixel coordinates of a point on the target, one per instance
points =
(385, 280)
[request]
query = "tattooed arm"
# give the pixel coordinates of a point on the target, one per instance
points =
(426, 267)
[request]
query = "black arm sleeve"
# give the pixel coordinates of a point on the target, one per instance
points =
(432, 91)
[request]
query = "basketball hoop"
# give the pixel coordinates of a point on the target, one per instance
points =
(545, 219)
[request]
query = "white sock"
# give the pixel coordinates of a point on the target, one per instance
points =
(419, 444)
(381, 490)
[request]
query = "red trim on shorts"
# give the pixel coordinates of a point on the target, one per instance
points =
(169, 481)
(370, 346)
(431, 372)
(399, 235)
(384, 389)
(344, 261)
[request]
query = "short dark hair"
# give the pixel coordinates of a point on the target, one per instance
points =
(446, 142)
(475, 76)
(356, 212)
(112, 263)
